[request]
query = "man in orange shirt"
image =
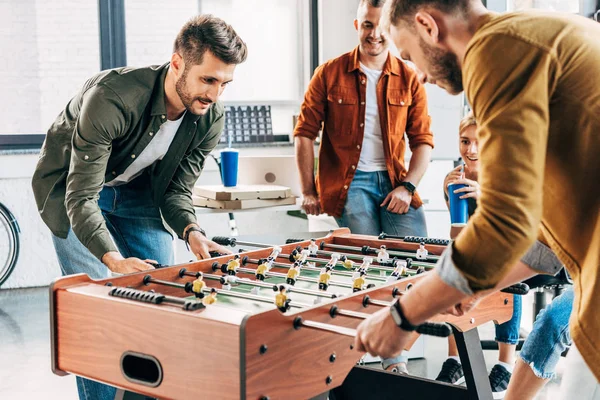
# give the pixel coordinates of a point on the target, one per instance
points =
(365, 101)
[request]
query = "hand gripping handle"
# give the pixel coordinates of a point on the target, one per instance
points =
(518, 288)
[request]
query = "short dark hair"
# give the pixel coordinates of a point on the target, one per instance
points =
(372, 3)
(406, 9)
(207, 32)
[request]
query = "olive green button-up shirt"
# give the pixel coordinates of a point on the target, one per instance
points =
(97, 136)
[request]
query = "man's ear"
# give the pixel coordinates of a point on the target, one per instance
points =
(427, 27)
(177, 64)
(356, 24)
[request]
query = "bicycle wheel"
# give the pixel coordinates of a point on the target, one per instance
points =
(9, 243)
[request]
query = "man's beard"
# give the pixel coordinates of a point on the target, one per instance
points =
(185, 97)
(444, 67)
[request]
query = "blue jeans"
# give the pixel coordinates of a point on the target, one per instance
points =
(364, 215)
(549, 336)
(508, 332)
(138, 231)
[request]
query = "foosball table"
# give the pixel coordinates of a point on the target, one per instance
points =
(277, 322)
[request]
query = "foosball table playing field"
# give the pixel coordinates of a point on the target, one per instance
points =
(277, 322)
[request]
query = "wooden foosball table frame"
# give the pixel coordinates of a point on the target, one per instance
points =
(166, 352)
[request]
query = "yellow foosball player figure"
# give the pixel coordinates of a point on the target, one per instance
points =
(211, 298)
(233, 265)
(281, 300)
(347, 263)
(262, 269)
(358, 283)
(198, 285)
(324, 278)
(295, 255)
(293, 273)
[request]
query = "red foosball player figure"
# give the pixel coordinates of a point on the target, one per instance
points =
(198, 285)
(262, 269)
(313, 248)
(233, 265)
(359, 282)
(211, 298)
(293, 273)
(347, 263)
(281, 300)
(324, 278)
(422, 252)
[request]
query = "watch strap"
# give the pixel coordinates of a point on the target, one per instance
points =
(404, 323)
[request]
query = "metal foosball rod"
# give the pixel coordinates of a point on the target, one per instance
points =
(323, 262)
(381, 267)
(247, 296)
(367, 250)
(300, 278)
(260, 284)
(427, 328)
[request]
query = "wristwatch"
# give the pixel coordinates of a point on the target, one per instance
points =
(191, 229)
(399, 318)
(409, 186)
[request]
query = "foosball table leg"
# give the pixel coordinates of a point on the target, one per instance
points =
(473, 363)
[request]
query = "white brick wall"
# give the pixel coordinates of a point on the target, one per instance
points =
(49, 50)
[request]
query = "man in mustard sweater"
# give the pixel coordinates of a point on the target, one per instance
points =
(532, 79)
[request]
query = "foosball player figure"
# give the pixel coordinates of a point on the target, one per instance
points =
(420, 270)
(347, 263)
(359, 282)
(233, 265)
(324, 278)
(295, 255)
(422, 252)
(198, 285)
(382, 255)
(313, 248)
(408, 263)
(398, 271)
(211, 298)
(262, 269)
(304, 254)
(281, 300)
(365, 264)
(275, 253)
(293, 273)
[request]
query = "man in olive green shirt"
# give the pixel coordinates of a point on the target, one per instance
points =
(126, 152)
(532, 79)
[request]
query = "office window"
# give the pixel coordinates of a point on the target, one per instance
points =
(49, 49)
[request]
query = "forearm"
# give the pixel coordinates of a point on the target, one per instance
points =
(429, 297)
(178, 212)
(305, 159)
(419, 162)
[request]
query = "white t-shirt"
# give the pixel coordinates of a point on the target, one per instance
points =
(372, 157)
(156, 150)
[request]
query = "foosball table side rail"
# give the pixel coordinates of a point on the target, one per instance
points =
(279, 356)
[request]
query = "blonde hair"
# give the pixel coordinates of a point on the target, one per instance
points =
(468, 120)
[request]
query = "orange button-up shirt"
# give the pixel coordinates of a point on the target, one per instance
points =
(336, 101)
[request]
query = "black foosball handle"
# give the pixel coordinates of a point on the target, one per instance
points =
(415, 239)
(224, 240)
(435, 329)
(518, 288)
(290, 241)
